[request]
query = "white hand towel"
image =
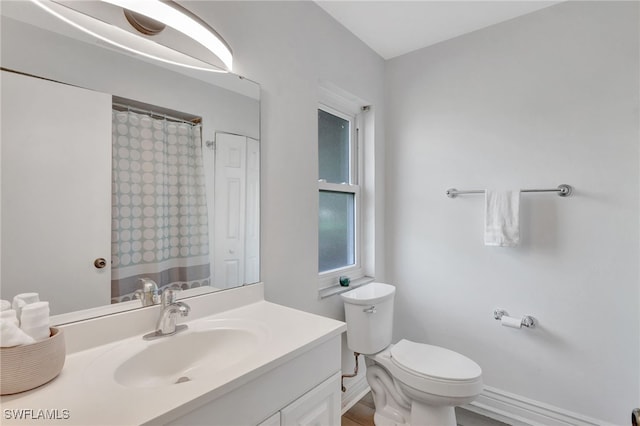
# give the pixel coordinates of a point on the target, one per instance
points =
(23, 299)
(35, 321)
(5, 305)
(502, 222)
(10, 315)
(28, 297)
(11, 335)
(35, 314)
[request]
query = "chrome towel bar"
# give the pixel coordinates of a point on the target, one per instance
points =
(563, 190)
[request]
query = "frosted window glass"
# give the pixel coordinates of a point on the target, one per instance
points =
(336, 236)
(333, 147)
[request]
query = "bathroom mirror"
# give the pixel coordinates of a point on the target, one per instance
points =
(45, 225)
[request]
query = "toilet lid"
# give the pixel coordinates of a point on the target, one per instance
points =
(434, 361)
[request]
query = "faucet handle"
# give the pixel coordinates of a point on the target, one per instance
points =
(148, 294)
(170, 294)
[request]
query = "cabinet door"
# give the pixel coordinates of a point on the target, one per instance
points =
(56, 192)
(318, 407)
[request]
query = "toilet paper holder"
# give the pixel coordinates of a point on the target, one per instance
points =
(526, 321)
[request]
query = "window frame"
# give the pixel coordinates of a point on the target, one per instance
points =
(330, 278)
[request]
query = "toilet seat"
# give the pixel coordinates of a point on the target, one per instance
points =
(432, 369)
(433, 361)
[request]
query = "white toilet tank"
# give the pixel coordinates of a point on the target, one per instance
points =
(369, 316)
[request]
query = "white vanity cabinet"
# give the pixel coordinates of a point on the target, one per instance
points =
(302, 391)
(320, 406)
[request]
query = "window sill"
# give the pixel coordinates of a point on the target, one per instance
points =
(337, 289)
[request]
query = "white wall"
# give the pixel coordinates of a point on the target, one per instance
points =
(288, 47)
(544, 99)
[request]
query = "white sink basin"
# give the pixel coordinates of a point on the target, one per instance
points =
(207, 347)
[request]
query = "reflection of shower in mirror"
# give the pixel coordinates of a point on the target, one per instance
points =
(160, 220)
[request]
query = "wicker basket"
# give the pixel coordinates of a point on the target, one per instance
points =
(26, 367)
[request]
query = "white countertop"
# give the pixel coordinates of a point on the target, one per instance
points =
(94, 398)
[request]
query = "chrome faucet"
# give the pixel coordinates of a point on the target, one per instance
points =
(148, 293)
(166, 325)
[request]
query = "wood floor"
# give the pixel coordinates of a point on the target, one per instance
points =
(361, 414)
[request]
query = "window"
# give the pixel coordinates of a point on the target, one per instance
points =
(339, 196)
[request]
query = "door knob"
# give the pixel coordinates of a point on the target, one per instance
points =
(100, 263)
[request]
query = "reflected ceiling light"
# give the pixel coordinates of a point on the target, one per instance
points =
(176, 17)
(149, 17)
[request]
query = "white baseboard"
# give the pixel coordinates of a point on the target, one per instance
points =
(496, 404)
(357, 388)
(520, 411)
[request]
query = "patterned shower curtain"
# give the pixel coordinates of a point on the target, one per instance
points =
(159, 218)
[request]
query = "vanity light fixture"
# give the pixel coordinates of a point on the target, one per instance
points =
(148, 18)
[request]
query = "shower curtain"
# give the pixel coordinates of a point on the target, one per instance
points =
(159, 208)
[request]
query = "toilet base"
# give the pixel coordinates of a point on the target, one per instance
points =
(422, 414)
(419, 415)
(393, 408)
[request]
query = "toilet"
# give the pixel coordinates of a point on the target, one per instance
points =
(412, 383)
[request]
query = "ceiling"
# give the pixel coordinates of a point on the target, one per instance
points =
(393, 28)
